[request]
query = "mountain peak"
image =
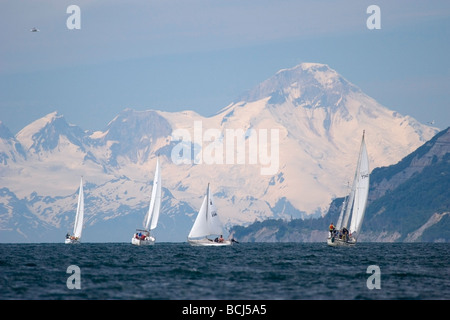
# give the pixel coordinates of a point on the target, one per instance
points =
(52, 116)
(134, 132)
(305, 80)
(134, 124)
(309, 67)
(45, 132)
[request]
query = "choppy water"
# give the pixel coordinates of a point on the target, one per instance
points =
(245, 271)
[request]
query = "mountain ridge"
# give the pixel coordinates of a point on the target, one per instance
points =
(305, 142)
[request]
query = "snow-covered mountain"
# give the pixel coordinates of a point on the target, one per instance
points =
(283, 149)
(10, 149)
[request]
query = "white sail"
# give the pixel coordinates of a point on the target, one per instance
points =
(361, 192)
(214, 223)
(207, 221)
(200, 227)
(341, 215)
(355, 205)
(78, 226)
(151, 219)
(143, 237)
(351, 198)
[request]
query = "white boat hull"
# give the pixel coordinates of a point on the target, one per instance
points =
(336, 242)
(71, 241)
(205, 242)
(146, 242)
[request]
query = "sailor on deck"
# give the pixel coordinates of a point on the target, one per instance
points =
(345, 234)
(332, 229)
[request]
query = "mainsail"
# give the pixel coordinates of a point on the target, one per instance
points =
(357, 199)
(361, 191)
(151, 219)
(78, 226)
(207, 221)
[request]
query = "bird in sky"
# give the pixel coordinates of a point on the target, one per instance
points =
(34, 30)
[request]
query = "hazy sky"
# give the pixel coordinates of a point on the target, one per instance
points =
(202, 54)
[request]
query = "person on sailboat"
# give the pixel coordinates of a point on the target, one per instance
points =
(332, 229)
(345, 234)
(221, 239)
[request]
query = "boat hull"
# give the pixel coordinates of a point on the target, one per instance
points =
(72, 241)
(205, 242)
(146, 242)
(336, 242)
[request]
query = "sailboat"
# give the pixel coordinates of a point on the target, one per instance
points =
(78, 225)
(142, 236)
(206, 224)
(354, 205)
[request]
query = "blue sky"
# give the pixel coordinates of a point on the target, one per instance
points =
(200, 55)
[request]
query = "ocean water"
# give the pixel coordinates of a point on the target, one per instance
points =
(244, 271)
